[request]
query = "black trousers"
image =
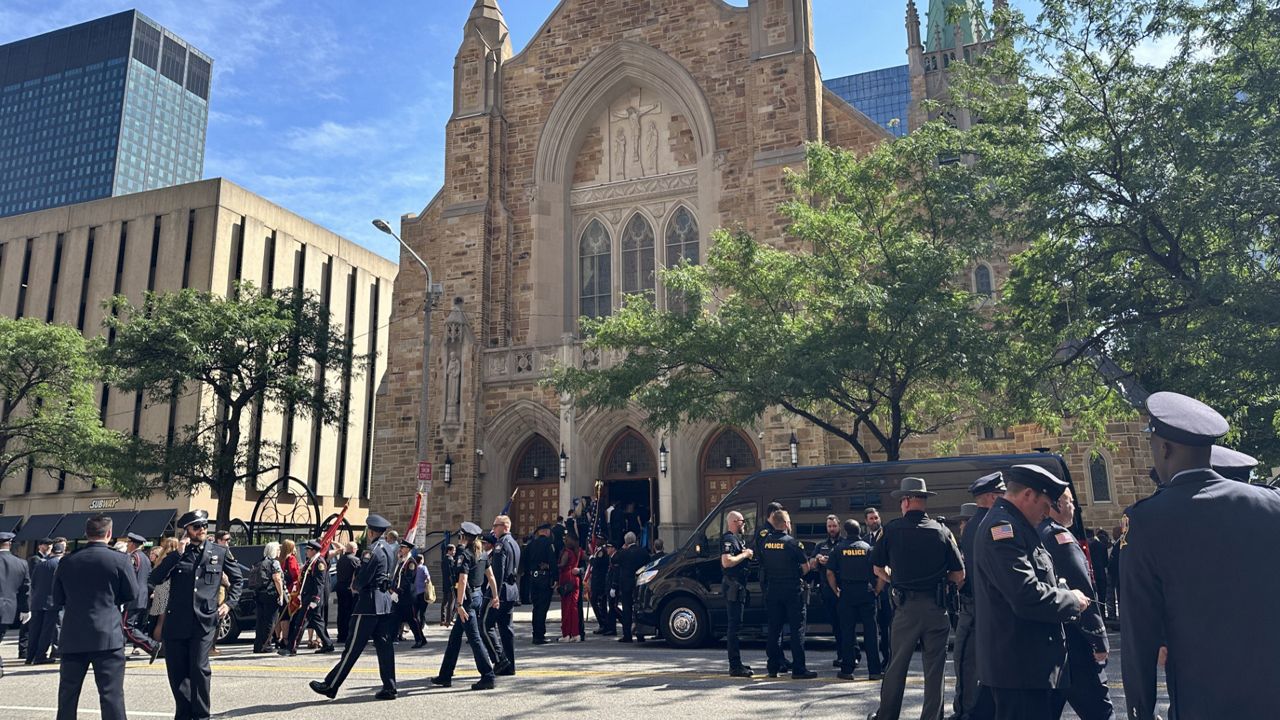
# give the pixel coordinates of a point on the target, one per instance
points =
(832, 607)
(627, 601)
(884, 623)
(785, 607)
(406, 614)
(311, 618)
(470, 628)
(267, 608)
(600, 606)
(541, 594)
(3, 628)
(1087, 690)
(346, 601)
(735, 609)
(851, 611)
(187, 662)
(499, 625)
(382, 630)
(44, 630)
(108, 674)
(1023, 704)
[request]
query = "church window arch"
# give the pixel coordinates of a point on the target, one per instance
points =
(1099, 477)
(595, 282)
(682, 244)
(983, 283)
(637, 256)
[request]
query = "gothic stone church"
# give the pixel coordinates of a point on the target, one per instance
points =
(614, 144)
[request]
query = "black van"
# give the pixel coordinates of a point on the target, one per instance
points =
(679, 596)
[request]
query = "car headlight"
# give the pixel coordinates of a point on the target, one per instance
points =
(646, 576)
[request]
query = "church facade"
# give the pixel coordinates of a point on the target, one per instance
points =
(613, 145)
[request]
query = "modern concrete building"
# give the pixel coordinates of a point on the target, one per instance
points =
(60, 264)
(112, 106)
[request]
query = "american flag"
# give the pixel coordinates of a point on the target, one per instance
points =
(1002, 532)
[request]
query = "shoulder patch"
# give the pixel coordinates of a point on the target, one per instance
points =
(1065, 538)
(1003, 531)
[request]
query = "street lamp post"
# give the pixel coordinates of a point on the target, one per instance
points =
(434, 291)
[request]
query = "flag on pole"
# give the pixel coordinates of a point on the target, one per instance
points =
(506, 509)
(295, 595)
(411, 530)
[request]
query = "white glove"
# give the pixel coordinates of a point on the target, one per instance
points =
(613, 593)
(24, 617)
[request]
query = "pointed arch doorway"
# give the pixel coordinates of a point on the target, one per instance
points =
(535, 482)
(629, 472)
(727, 457)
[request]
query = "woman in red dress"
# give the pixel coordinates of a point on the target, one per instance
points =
(571, 580)
(292, 571)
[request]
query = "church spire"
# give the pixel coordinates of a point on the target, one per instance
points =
(913, 25)
(487, 18)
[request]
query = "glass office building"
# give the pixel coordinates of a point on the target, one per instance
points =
(882, 95)
(113, 106)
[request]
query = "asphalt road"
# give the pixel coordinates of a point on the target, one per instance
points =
(600, 678)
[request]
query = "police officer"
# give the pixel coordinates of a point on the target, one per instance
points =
(542, 565)
(505, 561)
(766, 529)
(734, 555)
(1222, 659)
(973, 701)
(15, 589)
(89, 587)
(852, 579)
(136, 613)
(473, 573)
(601, 603)
(818, 581)
(44, 615)
(43, 547)
(402, 587)
(1232, 464)
(918, 556)
(314, 578)
(1020, 608)
(373, 616)
(191, 623)
(1087, 637)
(785, 564)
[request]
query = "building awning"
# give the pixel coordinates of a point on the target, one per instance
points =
(9, 523)
(149, 523)
(71, 526)
(38, 526)
(120, 522)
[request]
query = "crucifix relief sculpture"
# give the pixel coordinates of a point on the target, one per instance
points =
(633, 115)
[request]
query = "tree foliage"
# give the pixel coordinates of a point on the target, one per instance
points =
(48, 416)
(251, 353)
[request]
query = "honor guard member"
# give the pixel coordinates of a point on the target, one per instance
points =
(136, 612)
(191, 621)
(44, 614)
(15, 589)
(973, 701)
(818, 581)
(542, 565)
(600, 600)
(373, 616)
(89, 588)
(402, 589)
(308, 614)
(919, 557)
(1020, 607)
(785, 564)
(1222, 657)
(1232, 464)
(1086, 688)
(473, 574)
(43, 547)
(734, 555)
(852, 579)
(505, 561)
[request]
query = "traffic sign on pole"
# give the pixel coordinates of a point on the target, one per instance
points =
(424, 471)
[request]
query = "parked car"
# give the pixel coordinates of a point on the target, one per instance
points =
(679, 596)
(244, 616)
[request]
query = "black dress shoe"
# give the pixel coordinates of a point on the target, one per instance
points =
(386, 694)
(483, 684)
(877, 676)
(773, 673)
(286, 653)
(323, 689)
(419, 644)
(742, 672)
(845, 676)
(835, 663)
(442, 681)
(506, 671)
(540, 641)
(624, 640)
(803, 675)
(785, 666)
(325, 649)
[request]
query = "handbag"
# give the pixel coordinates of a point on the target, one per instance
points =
(431, 593)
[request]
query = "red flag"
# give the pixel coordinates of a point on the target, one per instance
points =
(327, 539)
(411, 531)
(295, 597)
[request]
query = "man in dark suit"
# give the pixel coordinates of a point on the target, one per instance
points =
(190, 626)
(136, 613)
(44, 615)
(90, 586)
(15, 585)
(628, 561)
(43, 547)
(348, 565)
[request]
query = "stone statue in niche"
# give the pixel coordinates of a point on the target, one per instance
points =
(620, 155)
(633, 114)
(651, 148)
(452, 389)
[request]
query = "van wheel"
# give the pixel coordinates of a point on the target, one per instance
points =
(684, 623)
(228, 628)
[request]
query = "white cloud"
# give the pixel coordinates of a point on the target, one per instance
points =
(331, 138)
(1156, 51)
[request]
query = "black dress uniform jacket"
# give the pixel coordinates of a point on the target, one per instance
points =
(505, 561)
(1223, 638)
(1019, 607)
(195, 575)
(15, 588)
(967, 539)
(373, 580)
(91, 620)
(1069, 564)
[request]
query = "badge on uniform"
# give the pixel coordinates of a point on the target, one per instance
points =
(1002, 532)
(1065, 538)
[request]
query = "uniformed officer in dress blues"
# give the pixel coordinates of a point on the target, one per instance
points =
(309, 612)
(1020, 607)
(191, 622)
(1232, 464)
(373, 616)
(972, 701)
(1222, 642)
(1087, 637)
(15, 589)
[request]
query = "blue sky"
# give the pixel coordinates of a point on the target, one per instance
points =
(335, 109)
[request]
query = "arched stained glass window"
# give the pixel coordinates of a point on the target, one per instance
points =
(637, 256)
(682, 245)
(1099, 478)
(982, 280)
(595, 285)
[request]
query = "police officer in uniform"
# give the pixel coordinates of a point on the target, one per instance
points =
(766, 529)
(818, 582)
(601, 603)
(542, 563)
(785, 564)
(191, 622)
(505, 560)
(373, 616)
(136, 612)
(973, 701)
(1222, 657)
(43, 548)
(918, 556)
(734, 555)
(852, 579)
(473, 573)
(15, 589)
(1086, 638)
(89, 587)
(308, 614)
(1020, 607)
(1232, 464)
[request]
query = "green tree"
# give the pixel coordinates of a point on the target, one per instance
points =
(861, 321)
(49, 418)
(252, 352)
